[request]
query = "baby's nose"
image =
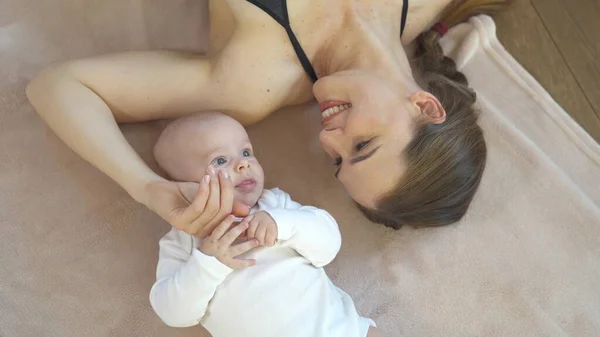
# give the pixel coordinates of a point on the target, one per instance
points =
(243, 164)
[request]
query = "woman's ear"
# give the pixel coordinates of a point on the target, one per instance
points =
(431, 109)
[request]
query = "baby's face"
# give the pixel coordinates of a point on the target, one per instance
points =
(228, 149)
(222, 142)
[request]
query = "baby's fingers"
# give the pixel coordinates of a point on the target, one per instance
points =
(241, 248)
(271, 237)
(251, 233)
(240, 263)
(222, 228)
(261, 234)
(234, 233)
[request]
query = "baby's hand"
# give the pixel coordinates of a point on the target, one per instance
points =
(262, 228)
(219, 244)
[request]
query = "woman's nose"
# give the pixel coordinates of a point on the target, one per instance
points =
(332, 141)
(242, 164)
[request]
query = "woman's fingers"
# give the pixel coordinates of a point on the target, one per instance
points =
(222, 228)
(222, 207)
(241, 263)
(249, 218)
(213, 202)
(206, 221)
(214, 197)
(240, 209)
(225, 202)
(234, 233)
(226, 190)
(240, 249)
(198, 204)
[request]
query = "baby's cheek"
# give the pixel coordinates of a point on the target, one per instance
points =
(248, 199)
(237, 196)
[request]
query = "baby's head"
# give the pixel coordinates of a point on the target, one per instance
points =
(189, 145)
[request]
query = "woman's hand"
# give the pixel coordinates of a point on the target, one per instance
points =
(195, 208)
(220, 244)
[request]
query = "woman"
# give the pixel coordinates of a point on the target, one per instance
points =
(407, 147)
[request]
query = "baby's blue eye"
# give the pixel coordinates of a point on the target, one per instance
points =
(246, 153)
(219, 161)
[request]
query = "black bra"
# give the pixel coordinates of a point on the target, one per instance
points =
(277, 9)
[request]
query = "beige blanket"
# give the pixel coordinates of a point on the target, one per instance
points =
(77, 255)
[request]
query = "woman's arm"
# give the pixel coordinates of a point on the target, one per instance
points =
(82, 101)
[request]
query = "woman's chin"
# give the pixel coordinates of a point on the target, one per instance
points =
(319, 89)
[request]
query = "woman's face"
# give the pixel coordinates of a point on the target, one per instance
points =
(366, 127)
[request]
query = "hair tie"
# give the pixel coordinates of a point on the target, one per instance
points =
(441, 28)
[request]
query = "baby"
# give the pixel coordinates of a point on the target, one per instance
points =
(268, 283)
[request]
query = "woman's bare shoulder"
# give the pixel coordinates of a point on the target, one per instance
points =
(262, 73)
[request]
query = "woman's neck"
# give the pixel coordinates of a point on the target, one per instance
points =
(366, 37)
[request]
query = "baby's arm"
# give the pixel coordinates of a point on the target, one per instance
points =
(311, 231)
(186, 280)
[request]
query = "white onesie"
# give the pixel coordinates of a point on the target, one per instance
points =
(286, 294)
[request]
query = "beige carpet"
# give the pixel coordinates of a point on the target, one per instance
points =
(77, 255)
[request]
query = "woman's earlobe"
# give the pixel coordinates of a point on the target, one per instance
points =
(430, 107)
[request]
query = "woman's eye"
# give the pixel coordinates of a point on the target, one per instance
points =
(361, 145)
(219, 161)
(338, 164)
(246, 153)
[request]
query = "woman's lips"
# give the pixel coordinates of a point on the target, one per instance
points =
(330, 104)
(333, 111)
(246, 185)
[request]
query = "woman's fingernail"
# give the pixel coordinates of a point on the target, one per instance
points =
(211, 170)
(207, 179)
(225, 175)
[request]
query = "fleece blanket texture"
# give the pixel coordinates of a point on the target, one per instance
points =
(78, 255)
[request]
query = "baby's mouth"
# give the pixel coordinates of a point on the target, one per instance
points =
(246, 185)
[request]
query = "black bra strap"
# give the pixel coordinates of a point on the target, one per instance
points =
(278, 11)
(404, 15)
(310, 71)
(274, 8)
